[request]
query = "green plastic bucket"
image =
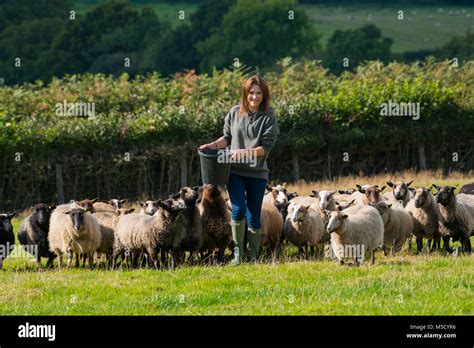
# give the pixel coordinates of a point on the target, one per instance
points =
(213, 171)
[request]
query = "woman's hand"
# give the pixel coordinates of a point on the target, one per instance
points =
(211, 146)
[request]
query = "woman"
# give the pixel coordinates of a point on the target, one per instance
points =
(251, 130)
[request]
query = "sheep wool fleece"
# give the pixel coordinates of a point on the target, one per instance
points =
(249, 131)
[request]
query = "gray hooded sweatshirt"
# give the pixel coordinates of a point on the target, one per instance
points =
(247, 132)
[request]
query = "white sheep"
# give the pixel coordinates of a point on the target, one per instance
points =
(303, 227)
(138, 233)
(398, 224)
(73, 230)
(355, 231)
(400, 192)
(148, 207)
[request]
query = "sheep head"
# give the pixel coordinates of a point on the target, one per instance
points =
(42, 213)
(336, 219)
(446, 196)
(6, 222)
(77, 218)
(279, 192)
(371, 192)
(400, 188)
(421, 196)
(299, 213)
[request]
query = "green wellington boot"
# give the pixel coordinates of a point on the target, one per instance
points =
(238, 231)
(253, 238)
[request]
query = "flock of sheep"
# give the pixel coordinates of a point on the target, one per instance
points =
(193, 225)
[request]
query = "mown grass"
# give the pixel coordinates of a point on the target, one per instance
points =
(401, 285)
(427, 284)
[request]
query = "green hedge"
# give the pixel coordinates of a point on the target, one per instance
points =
(320, 116)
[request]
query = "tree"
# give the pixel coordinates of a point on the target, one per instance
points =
(258, 33)
(365, 43)
(460, 47)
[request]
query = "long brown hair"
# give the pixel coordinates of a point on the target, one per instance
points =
(247, 85)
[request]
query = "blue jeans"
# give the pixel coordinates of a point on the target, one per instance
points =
(249, 205)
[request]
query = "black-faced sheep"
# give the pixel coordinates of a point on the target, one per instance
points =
(400, 192)
(189, 220)
(73, 230)
(355, 231)
(7, 238)
(34, 231)
(304, 228)
(456, 217)
(398, 225)
(215, 222)
(138, 233)
(425, 217)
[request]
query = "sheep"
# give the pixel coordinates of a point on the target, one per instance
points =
(277, 195)
(73, 230)
(347, 192)
(371, 194)
(398, 225)
(272, 228)
(140, 232)
(423, 209)
(7, 238)
(34, 230)
(467, 189)
(456, 218)
(326, 199)
(93, 206)
(215, 222)
(354, 231)
(304, 227)
(116, 203)
(400, 192)
(148, 207)
(108, 222)
(189, 220)
(344, 205)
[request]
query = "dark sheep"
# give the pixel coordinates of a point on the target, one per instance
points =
(7, 238)
(34, 230)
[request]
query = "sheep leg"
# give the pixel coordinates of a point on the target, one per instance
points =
(91, 260)
(77, 260)
(447, 248)
(153, 255)
(69, 259)
(311, 248)
(60, 261)
(419, 244)
(410, 244)
(84, 258)
(433, 246)
(49, 264)
(465, 244)
(373, 257)
(385, 250)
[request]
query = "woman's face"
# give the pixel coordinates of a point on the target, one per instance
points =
(255, 97)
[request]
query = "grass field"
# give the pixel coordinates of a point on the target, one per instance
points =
(423, 27)
(436, 284)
